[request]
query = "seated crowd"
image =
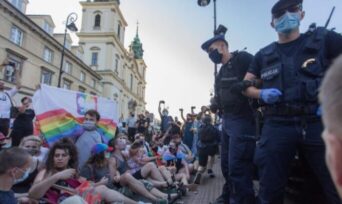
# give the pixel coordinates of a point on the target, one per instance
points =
(85, 169)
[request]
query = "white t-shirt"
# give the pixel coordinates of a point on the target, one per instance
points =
(5, 102)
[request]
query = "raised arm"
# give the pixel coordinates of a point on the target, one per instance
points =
(182, 114)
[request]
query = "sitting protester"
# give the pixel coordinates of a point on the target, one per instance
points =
(208, 142)
(175, 161)
(140, 168)
(60, 179)
(189, 157)
(89, 138)
(33, 144)
(15, 167)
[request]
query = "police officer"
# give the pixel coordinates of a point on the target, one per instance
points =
(238, 141)
(291, 71)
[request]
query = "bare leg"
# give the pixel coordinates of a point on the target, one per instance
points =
(136, 186)
(211, 160)
(151, 170)
(166, 174)
(111, 196)
(158, 184)
(162, 195)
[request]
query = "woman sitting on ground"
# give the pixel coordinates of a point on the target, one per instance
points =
(60, 179)
(175, 161)
(32, 145)
(142, 170)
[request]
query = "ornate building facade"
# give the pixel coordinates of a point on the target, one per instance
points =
(99, 65)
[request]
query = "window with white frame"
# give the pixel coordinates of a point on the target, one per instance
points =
(94, 58)
(48, 55)
(81, 89)
(93, 83)
(18, 4)
(48, 28)
(82, 76)
(46, 77)
(131, 83)
(66, 84)
(97, 21)
(16, 35)
(119, 30)
(117, 65)
(68, 67)
(14, 66)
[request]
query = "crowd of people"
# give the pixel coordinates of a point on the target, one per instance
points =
(292, 83)
(86, 169)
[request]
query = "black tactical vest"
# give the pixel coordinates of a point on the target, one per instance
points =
(227, 77)
(297, 77)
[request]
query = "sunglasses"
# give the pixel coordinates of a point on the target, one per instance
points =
(292, 9)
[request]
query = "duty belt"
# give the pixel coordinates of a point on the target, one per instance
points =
(289, 109)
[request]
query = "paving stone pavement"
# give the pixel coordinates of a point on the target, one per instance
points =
(209, 189)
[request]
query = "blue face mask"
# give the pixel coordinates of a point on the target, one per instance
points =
(23, 177)
(287, 23)
(215, 56)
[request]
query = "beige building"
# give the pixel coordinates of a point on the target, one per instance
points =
(102, 39)
(99, 65)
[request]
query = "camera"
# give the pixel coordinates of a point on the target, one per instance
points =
(221, 30)
(162, 102)
(181, 109)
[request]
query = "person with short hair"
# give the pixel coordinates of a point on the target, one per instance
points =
(290, 72)
(14, 167)
(23, 123)
(207, 148)
(131, 124)
(331, 100)
(238, 133)
(34, 145)
(89, 138)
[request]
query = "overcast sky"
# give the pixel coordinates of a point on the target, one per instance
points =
(172, 32)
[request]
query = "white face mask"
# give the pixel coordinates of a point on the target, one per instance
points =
(89, 125)
(23, 177)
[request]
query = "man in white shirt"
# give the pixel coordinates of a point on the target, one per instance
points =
(5, 101)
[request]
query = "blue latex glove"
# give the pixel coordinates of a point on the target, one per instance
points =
(319, 111)
(270, 96)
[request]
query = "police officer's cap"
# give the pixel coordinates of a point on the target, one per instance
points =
(283, 4)
(205, 46)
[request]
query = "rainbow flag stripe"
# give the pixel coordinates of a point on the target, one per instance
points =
(58, 123)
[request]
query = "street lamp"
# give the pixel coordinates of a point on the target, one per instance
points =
(69, 25)
(204, 3)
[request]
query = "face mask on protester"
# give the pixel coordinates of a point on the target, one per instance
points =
(215, 56)
(122, 143)
(23, 177)
(287, 23)
(89, 125)
(32, 152)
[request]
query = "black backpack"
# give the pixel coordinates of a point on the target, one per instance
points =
(208, 133)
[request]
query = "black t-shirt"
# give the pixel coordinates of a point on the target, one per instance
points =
(7, 197)
(24, 120)
(333, 46)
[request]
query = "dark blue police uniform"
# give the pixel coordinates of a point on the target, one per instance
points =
(238, 131)
(296, 69)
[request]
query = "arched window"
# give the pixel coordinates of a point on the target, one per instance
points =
(97, 20)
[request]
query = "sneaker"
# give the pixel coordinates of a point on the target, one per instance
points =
(211, 173)
(197, 179)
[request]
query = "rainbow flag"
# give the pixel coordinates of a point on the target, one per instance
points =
(60, 113)
(57, 124)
